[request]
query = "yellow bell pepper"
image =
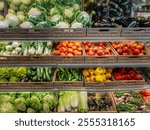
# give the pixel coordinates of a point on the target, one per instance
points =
(85, 73)
(98, 71)
(108, 75)
(88, 79)
(99, 78)
(92, 78)
(104, 70)
(91, 71)
(104, 77)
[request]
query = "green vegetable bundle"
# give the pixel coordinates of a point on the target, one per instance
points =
(27, 102)
(39, 74)
(68, 74)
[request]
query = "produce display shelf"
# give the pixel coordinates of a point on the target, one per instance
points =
(87, 89)
(94, 39)
(81, 65)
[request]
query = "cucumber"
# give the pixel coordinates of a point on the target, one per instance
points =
(47, 74)
(44, 75)
(38, 74)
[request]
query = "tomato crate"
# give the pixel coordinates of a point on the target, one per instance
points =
(101, 59)
(134, 58)
(103, 32)
(25, 33)
(69, 32)
(69, 60)
(125, 83)
(135, 32)
(66, 84)
(25, 59)
(138, 110)
(98, 95)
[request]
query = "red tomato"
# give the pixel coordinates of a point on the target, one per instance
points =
(62, 54)
(142, 45)
(135, 52)
(96, 48)
(138, 77)
(56, 52)
(100, 48)
(74, 47)
(91, 53)
(108, 48)
(107, 52)
(119, 51)
(69, 55)
(100, 52)
(86, 48)
(89, 44)
(70, 50)
(101, 44)
(125, 49)
(115, 47)
(139, 47)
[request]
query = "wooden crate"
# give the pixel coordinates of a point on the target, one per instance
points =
(69, 32)
(130, 82)
(25, 33)
(66, 84)
(68, 60)
(25, 59)
(112, 109)
(114, 98)
(135, 32)
(26, 85)
(101, 59)
(103, 32)
(133, 58)
(102, 85)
